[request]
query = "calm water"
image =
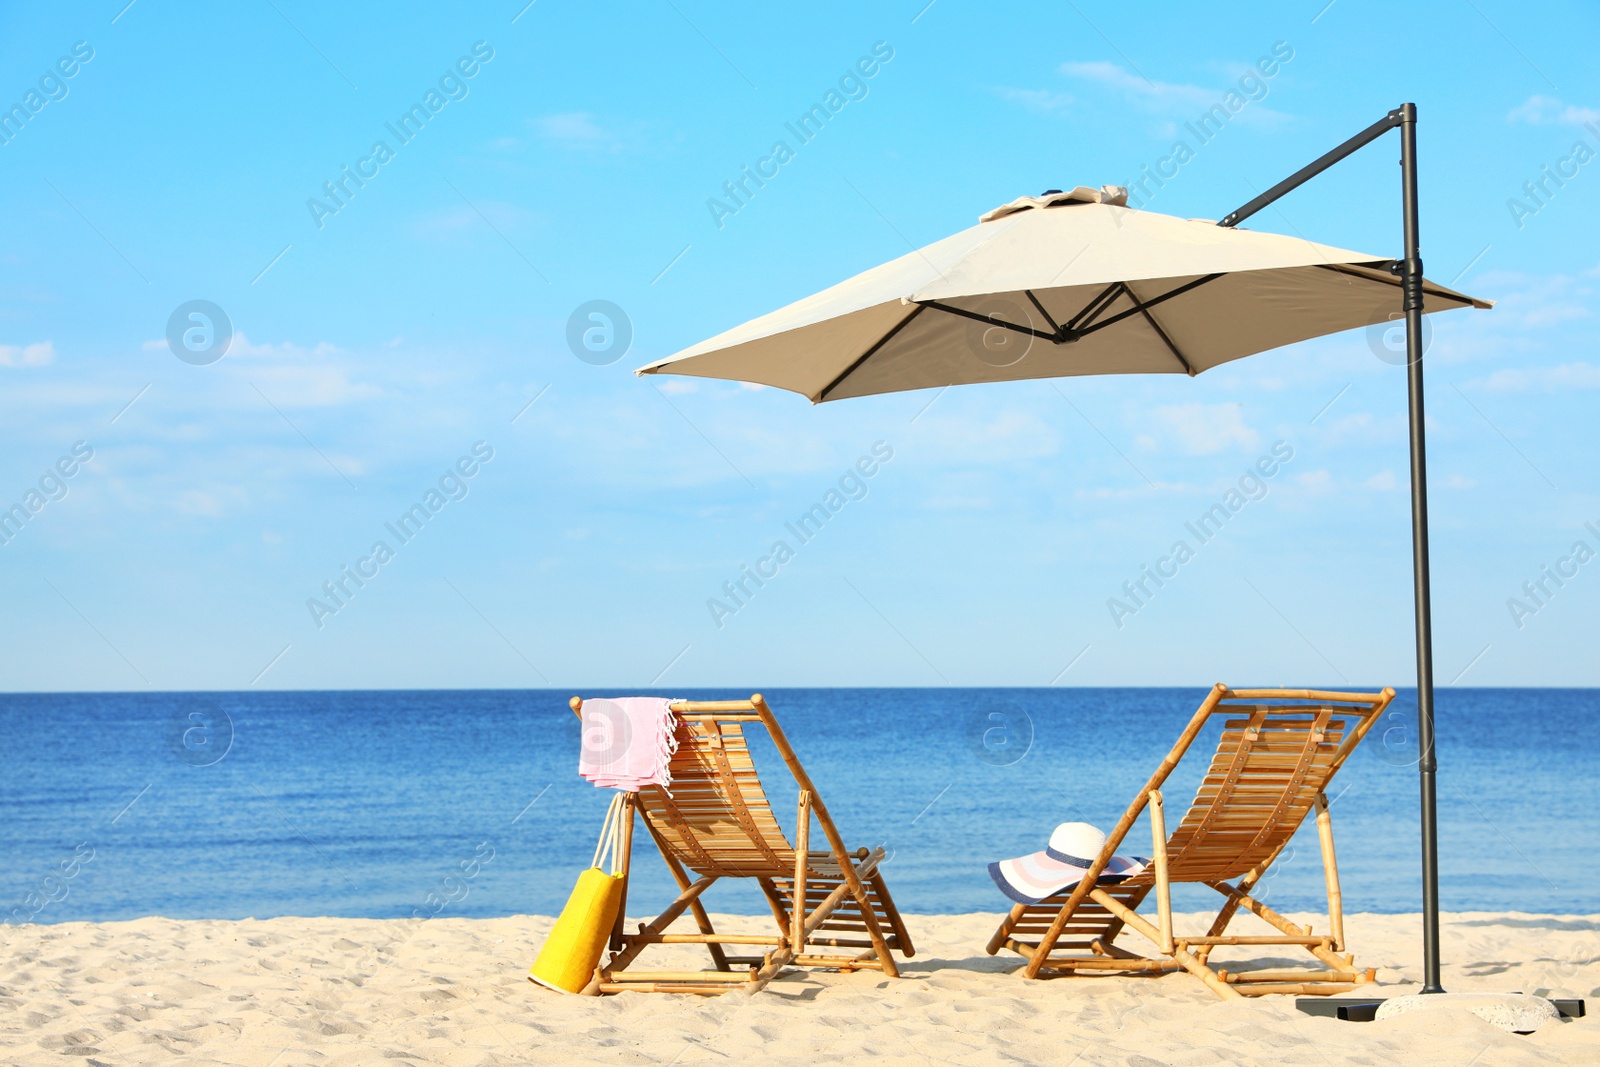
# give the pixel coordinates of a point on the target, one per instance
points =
(365, 803)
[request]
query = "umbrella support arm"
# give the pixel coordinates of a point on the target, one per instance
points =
(1409, 269)
(1390, 121)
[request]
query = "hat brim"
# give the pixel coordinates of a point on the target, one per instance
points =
(1040, 875)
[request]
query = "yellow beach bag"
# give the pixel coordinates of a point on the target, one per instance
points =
(571, 953)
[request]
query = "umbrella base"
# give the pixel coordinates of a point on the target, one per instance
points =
(1509, 1011)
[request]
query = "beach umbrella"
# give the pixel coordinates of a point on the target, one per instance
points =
(1076, 282)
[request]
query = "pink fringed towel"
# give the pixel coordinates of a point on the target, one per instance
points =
(628, 742)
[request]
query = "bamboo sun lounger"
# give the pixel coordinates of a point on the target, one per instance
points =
(1279, 749)
(717, 823)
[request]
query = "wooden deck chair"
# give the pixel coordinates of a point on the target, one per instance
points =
(1279, 749)
(718, 824)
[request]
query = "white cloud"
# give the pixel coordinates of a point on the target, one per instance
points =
(1165, 97)
(198, 502)
(1160, 98)
(34, 355)
(1166, 93)
(1548, 111)
(1205, 429)
(949, 502)
(1577, 375)
(1362, 428)
(215, 502)
(241, 348)
(1554, 313)
(1383, 481)
(312, 387)
(1523, 326)
(291, 375)
(997, 437)
(576, 129)
(1043, 101)
(1318, 481)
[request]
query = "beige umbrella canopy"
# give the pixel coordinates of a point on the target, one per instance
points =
(1056, 285)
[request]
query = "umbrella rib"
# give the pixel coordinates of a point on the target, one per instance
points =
(1043, 312)
(1156, 326)
(1073, 330)
(868, 354)
(978, 316)
(1141, 307)
(1107, 297)
(1393, 284)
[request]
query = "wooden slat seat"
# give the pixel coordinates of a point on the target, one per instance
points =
(1277, 752)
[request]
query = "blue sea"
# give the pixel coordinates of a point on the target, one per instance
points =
(468, 803)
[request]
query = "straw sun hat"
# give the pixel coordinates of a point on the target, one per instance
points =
(1073, 847)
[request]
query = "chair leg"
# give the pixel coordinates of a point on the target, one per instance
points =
(1132, 918)
(1002, 933)
(802, 842)
(702, 922)
(868, 915)
(780, 915)
(776, 960)
(625, 847)
(1260, 910)
(1330, 873)
(1158, 846)
(892, 913)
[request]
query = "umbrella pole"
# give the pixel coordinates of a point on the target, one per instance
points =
(1427, 764)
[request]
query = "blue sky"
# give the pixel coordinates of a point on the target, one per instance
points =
(374, 347)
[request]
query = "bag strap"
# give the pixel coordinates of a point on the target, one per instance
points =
(623, 812)
(609, 832)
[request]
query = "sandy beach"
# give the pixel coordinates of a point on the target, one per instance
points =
(294, 991)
